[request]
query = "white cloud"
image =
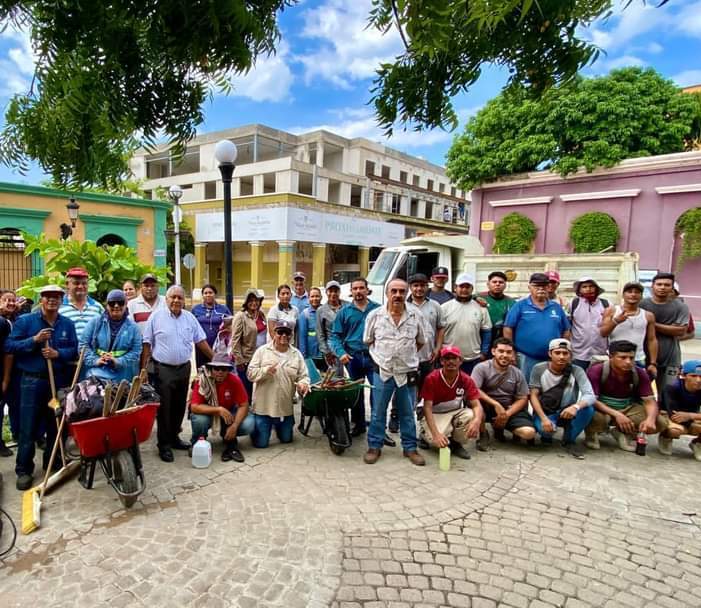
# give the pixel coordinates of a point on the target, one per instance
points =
(623, 61)
(269, 80)
(346, 49)
(17, 66)
(687, 78)
(360, 122)
(689, 19)
(654, 48)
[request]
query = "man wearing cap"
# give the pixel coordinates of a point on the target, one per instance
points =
(438, 292)
(325, 317)
(230, 404)
(347, 344)
(553, 284)
(498, 303)
(586, 313)
(631, 323)
(465, 324)
(300, 297)
(625, 400)
(35, 338)
(394, 334)
(683, 398)
(278, 370)
(533, 322)
(504, 393)
(671, 323)
(561, 395)
(77, 305)
(141, 307)
(452, 413)
(112, 342)
(169, 337)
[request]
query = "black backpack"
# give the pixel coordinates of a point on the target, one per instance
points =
(575, 303)
(552, 398)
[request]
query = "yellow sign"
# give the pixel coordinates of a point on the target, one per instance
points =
(487, 226)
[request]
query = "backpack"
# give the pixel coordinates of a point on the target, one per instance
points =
(552, 398)
(606, 371)
(575, 303)
(85, 400)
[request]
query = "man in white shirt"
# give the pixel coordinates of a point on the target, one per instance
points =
(141, 307)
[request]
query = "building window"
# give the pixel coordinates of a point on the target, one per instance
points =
(452, 191)
(417, 181)
(441, 187)
(369, 168)
(396, 203)
(385, 172)
(429, 184)
(403, 177)
(210, 190)
(428, 213)
(414, 207)
(356, 196)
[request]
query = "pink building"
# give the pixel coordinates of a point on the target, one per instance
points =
(645, 196)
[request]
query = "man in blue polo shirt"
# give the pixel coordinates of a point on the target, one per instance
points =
(533, 321)
(346, 342)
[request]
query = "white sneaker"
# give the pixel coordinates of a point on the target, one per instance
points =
(696, 449)
(592, 441)
(664, 445)
(624, 442)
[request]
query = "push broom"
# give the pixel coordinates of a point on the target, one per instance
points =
(31, 499)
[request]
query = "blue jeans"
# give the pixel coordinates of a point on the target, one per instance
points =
(404, 399)
(361, 366)
(526, 364)
(574, 427)
(264, 427)
(34, 410)
(201, 423)
(241, 372)
(468, 366)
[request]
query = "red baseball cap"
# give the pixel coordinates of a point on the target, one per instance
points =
(78, 272)
(553, 276)
(451, 351)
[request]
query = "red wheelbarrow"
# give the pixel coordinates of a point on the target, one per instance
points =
(113, 441)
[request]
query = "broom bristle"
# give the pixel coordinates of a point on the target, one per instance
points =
(31, 511)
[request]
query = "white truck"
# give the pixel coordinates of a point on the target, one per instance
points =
(466, 254)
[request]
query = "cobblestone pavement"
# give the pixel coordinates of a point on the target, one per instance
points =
(296, 526)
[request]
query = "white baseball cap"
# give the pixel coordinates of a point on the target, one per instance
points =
(465, 277)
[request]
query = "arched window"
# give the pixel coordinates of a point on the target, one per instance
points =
(110, 239)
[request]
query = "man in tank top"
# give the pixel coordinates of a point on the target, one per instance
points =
(631, 323)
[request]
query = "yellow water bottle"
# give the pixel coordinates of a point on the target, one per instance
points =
(444, 459)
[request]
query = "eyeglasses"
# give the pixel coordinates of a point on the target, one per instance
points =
(283, 332)
(115, 304)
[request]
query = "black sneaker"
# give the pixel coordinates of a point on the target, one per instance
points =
(482, 443)
(457, 450)
(389, 442)
(24, 482)
(393, 425)
(358, 430)
(5, 452)
(232, 452)
(166, 455)
(574, 450)
(423, 444)
(499, 435)
(179, 444)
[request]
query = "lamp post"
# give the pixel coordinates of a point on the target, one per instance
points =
(174, 193)
(72, 207)
(225, 152)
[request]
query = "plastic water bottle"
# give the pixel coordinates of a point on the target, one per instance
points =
(444, 459)
(201, 454)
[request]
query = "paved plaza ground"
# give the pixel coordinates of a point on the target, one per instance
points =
(297, 526)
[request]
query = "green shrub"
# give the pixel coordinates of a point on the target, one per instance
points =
(689, 225)
(593, 232)
(514, 234)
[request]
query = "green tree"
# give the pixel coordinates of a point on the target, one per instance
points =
(448, 42)
(109, 70)
(514, 234)
(588, 122)
(108, 267)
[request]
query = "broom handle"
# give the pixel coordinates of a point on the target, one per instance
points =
(78, 367)
(52, 381)
(53, 457)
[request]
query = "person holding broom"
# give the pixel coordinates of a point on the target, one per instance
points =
(40, 339)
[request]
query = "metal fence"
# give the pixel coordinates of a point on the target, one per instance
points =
(15, 267)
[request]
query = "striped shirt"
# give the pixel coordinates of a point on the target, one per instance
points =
(140, 310)
(80, 318)
(172, 338)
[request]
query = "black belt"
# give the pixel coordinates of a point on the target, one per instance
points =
(168, 365)
(44, 376)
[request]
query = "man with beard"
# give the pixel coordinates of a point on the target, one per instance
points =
(465, 324)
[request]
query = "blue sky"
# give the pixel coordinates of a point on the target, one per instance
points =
(323, 70)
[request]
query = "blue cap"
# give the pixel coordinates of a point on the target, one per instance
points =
(116, 295)
(692, 367)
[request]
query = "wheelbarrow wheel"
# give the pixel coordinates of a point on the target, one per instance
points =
(337, 449)
(125, 476)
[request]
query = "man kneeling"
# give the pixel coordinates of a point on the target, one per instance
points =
(561, 395)
(229, 402)
(624, 399)
(504, 393)
(683, 399)
(447, 422)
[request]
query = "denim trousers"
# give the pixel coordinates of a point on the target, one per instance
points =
(201, 423)
(242, 373)
(404, 399)
(361, 366)
(573, 427)
(526, 364)
(264, 426)
(34, 410)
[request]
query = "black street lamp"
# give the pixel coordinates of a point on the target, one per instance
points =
(72, 207)
(225, 152)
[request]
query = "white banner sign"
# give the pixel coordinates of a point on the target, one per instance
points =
(292, 224)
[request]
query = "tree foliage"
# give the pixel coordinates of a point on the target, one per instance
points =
(108, 266)
(109, 70)
(514, 234)
(593, 232)
(448, 42)
(689, 228)
(589, 122)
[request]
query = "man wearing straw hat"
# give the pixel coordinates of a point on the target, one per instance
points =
(37, 337)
